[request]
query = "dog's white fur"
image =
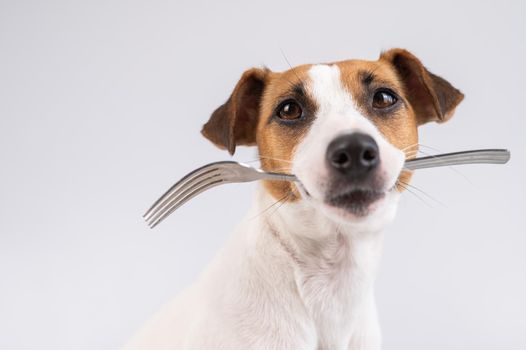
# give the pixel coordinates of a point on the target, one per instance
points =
(297, 277)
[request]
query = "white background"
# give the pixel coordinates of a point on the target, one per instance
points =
(101, 103)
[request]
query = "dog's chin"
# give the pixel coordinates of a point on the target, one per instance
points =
(362, 211)
(355, 204)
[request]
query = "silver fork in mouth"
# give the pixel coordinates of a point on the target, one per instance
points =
(218, 173)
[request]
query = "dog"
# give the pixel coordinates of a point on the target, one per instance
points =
(299, 271)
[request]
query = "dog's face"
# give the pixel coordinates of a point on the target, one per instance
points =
(344, 129)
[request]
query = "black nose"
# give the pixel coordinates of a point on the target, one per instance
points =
(354, 155)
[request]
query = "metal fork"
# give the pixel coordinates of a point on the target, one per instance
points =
(202, 179)
(218, 173)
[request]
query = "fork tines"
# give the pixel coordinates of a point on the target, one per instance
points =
(185, 189)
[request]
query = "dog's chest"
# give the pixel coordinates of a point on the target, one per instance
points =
(336, 287)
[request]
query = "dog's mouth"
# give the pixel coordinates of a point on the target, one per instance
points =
(358, 202)
(350, 201)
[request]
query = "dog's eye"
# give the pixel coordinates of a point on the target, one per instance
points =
(289, 110)
(383, 99)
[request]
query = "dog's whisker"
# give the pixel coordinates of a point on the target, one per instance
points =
(281, 202)
(274, 158)
(281, 170)
(431, 148)
(423, 192)
(414, 194)
(421, 145)
(270, 206)
(259, 159)
(411, 155)
(410, 146)
(288, 63)
(408, 151)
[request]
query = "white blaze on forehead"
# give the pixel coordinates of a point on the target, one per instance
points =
(326, 87)
(336, 108)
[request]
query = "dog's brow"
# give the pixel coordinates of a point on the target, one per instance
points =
(299, 90)
(367, 77)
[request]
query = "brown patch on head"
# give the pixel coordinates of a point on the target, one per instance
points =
(362, 79)
(249, 115)
(428, 96)
(248, 118)
(398, 125)
(431, 97)
(277, 140)
(425, 97)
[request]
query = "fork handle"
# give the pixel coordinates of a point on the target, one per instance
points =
(481, 156)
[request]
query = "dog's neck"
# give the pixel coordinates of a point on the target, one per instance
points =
(306, 235)
(333, 266)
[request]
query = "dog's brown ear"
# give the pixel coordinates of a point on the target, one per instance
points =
(432, 98)
(235, 122)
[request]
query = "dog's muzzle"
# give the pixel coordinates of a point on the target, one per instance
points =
(353, 161)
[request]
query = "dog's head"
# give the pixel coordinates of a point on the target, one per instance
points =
(344, 129)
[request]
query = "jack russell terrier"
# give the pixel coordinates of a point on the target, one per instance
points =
(298, 272)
